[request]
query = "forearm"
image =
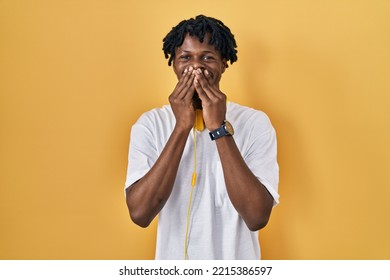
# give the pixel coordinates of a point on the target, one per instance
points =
(148, 196)
(247, 194)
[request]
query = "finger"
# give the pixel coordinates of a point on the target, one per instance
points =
(201, 93)
(207, 87)
(184, 78)
(208, 76)
(184, 83)
(189, 89)
(190, 78)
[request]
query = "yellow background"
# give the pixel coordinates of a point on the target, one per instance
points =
(75, 75)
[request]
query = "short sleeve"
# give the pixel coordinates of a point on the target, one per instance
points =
(142, 152)
(261, 155)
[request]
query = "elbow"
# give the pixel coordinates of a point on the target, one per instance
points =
(139, 219)
(257, 220)
(137, 213)
(138, 216)
(258, 225)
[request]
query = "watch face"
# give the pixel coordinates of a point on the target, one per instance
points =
(229, 128)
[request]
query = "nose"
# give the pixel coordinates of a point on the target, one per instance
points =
(197, 63)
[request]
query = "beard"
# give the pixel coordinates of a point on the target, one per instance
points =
(196, 101)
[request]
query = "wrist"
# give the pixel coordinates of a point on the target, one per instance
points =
(182, 129)
(215, 125)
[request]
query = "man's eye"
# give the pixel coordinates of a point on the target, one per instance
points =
(184, 57)
(208, 58)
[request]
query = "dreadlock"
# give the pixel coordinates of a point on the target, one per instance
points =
(221, 37)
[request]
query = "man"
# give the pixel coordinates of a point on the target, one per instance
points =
(212, 187)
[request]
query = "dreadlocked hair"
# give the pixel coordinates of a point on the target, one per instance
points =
(220, 37)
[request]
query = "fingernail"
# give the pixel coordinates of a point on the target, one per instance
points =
(190, 69)
(199, 71)
(206, 72)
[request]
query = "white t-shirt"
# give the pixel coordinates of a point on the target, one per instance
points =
(216, 231)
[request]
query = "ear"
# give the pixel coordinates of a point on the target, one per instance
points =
(224, 65)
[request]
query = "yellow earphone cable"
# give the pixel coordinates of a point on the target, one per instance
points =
(198, 126)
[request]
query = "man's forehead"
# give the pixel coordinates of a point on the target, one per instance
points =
(191, 42)
(206, 37)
